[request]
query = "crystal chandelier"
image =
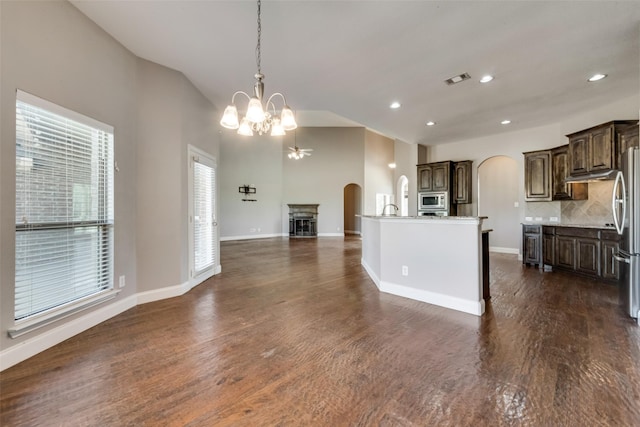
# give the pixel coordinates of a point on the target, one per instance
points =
(259, 118)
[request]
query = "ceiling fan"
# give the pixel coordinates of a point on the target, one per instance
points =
(298, 153)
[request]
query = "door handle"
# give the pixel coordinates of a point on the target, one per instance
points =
(621, 259)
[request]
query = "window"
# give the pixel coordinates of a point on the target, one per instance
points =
(202, 215)
(64, 209)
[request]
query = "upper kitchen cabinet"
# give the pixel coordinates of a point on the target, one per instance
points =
(462, 182)
(628, 138)
(434, 176)
(537, 176)
(595, 149)
(559, 172)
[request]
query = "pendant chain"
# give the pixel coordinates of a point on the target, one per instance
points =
(258, 58)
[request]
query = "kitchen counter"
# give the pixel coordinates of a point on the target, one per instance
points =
(437, 260)
(562, 224)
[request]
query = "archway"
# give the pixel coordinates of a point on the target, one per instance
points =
(402, 192)
(498, 199)
(352, 207)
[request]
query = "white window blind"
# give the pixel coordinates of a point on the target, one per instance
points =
(203, 215)
(64, 207)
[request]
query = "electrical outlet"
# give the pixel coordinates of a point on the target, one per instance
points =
(121, 282)
(516, 204)
(405, 270)
(538, 218)
(259, 229)
(553, 218)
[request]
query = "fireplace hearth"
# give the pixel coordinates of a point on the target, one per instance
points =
(303, 220)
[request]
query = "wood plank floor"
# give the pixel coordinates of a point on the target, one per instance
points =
(294, 333)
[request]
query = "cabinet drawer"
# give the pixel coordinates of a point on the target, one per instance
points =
(592, 233)
(609, 235)
(531, 228)
(548, 230)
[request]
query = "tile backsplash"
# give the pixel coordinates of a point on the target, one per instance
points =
(595, 210)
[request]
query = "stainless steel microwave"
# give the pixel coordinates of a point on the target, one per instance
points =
(432, 201)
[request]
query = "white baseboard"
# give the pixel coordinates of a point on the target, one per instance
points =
(32, 346)
(330, 234)
(459, 304)
(500, 250)
(252, 236)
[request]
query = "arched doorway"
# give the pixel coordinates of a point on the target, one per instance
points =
(352, 207)
(402, 192)
(498, 199)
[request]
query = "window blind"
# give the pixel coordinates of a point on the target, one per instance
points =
(203, 216)
(64, 207)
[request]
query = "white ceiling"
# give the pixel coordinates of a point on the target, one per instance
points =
(344, 62)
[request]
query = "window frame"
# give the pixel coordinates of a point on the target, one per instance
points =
(104, 222)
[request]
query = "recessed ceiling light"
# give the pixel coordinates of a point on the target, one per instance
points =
(597, 77)
(394, 105)
(486, 79)
(430, 123)
(505, 122)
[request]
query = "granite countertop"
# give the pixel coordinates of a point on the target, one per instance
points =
(564, 224)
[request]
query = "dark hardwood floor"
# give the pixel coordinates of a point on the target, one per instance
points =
(294, 333)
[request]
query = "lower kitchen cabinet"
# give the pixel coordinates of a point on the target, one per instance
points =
(548, 245)
(586, 251)
(565, 252)
(609, 246)
(531, 244)
(588, 256)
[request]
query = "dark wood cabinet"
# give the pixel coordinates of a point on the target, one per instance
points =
(434, 176)
(425, 178)
(628, 138)
(462, 182)
(537, 175)
(548, 245)
(597, 149)
(565, 250)
(578, 154)
(532, 245)
(559, 172)
(586, 251)
(588, 256)
(610, 244)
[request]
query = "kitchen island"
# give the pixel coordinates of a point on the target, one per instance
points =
(437, 260)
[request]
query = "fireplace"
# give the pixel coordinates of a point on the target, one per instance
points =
(303, 220)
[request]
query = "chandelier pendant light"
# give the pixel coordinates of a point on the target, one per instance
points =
(259, 118)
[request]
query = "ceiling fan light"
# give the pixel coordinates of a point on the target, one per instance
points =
(245, 128)
(255, 113)
(287, 118)
(276, 128)
(230, 117)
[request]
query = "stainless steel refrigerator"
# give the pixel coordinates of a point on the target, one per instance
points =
(626, 218)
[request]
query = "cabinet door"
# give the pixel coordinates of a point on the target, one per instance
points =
(425, 178)
(588, 256)
(531, 253)
(565, 252)
(579, 154)
(559, 172)
(609, 266)
(440, 177)
(601, 149)
(629, 138)
(548, 249)
(537, 176)
(462, 182)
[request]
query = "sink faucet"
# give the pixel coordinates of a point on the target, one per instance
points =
(385, 207)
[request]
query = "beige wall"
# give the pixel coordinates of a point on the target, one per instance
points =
(378, 176)
(155, 112)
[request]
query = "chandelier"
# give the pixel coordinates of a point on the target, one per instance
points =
(259, 118)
